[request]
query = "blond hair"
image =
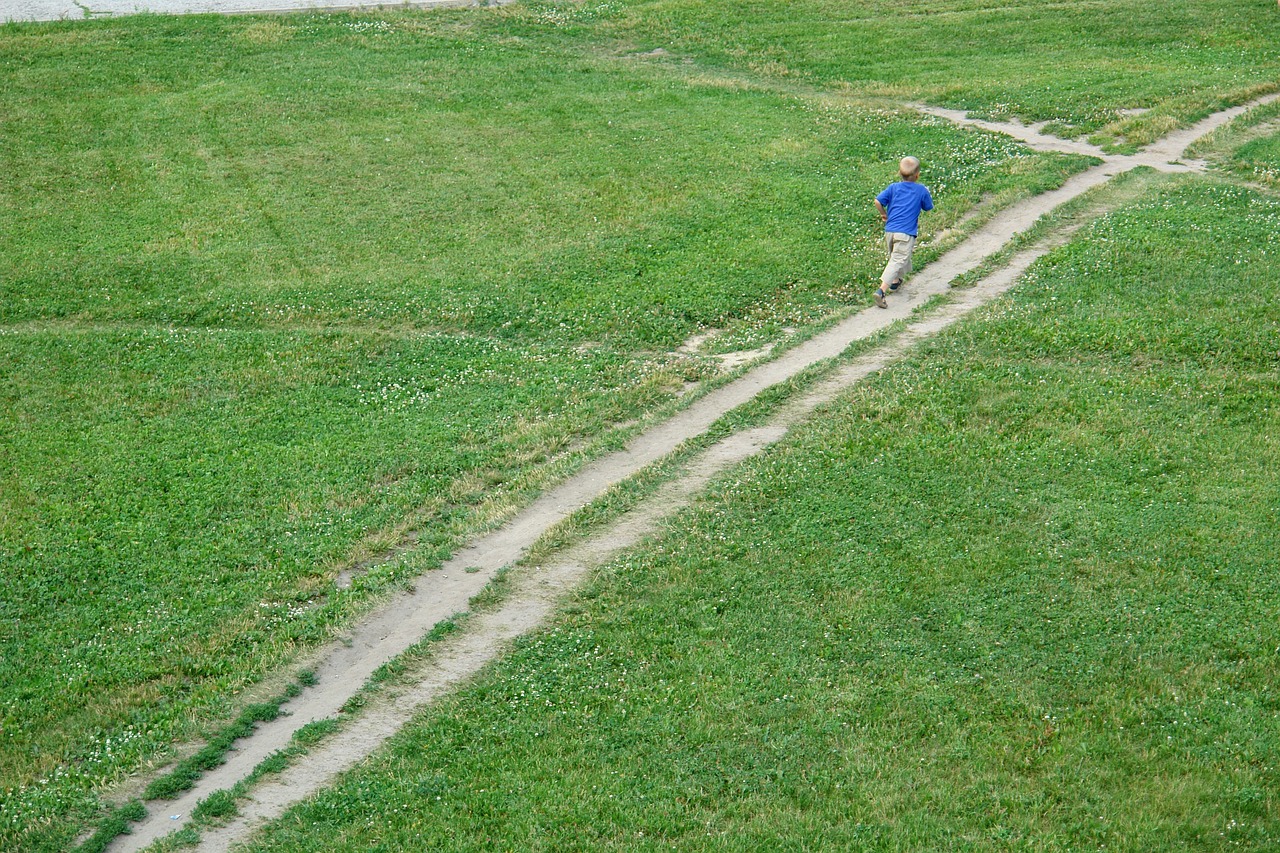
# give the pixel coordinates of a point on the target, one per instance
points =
(908, 166)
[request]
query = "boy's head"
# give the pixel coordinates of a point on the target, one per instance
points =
(909, 168)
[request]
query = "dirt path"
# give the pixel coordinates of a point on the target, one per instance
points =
(443, 593)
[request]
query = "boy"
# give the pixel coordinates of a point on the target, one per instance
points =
(900, 206)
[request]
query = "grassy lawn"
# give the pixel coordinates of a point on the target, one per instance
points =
(260, 325)
(1018, 591)
(1085, 67)
(465, 172)
(1256, 158)
(279, 293)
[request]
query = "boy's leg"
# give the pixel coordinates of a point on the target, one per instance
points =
(898, 267)
(906, 271)
(890, 240)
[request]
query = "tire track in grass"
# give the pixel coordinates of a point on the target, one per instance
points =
(438, 595)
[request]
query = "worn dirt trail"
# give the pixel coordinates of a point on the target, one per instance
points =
(534, 593)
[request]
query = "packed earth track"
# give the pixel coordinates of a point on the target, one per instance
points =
(436, 596)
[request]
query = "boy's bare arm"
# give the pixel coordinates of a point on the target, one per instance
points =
(884, 214)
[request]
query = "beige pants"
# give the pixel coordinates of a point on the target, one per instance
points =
(900, 246)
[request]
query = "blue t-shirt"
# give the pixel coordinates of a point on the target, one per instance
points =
(904, 201)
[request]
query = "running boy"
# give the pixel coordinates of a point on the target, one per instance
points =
(900, 205)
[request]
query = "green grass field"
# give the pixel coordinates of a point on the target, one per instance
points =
(279, 293)
(1019, 591)
(1085, 67)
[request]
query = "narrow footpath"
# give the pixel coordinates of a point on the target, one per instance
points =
(534, 593)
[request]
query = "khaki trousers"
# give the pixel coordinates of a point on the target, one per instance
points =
(899, 246)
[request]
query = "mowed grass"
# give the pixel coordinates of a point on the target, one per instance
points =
(278, 295)
(187, 499)
(1258, 159)
(465, 172)
(1124, 72)
(1017, 591)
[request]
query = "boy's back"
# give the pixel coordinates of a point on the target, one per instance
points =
(904, 201)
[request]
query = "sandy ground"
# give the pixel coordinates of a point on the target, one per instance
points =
(534, 593)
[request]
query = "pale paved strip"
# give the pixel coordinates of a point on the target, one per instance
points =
(76, 10)
(441, 594)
